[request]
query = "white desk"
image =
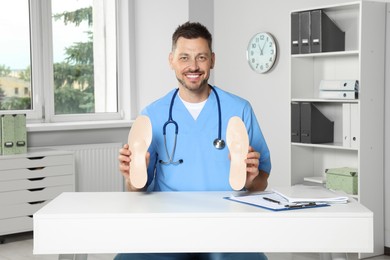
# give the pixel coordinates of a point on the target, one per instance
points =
(83, 223)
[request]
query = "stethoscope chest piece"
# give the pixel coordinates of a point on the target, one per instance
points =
(219, 144)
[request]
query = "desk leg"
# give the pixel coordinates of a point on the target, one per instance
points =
(73, 257)
(333, 256)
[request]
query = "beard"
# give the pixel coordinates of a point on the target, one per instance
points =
(193, 87)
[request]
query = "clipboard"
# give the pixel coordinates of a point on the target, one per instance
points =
(273, 201)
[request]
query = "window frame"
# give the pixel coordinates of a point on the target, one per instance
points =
(42, 82)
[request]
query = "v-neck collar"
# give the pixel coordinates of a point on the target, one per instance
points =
(208, 114)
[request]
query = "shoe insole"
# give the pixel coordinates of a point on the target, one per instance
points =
(140, 137)
(238, 143)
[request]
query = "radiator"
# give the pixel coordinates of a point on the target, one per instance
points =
(97, 167)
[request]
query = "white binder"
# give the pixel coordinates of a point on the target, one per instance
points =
(330, 94)
(347, 125)
(343, 85)
(355, 126)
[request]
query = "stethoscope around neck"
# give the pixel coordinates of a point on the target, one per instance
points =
(218, 142)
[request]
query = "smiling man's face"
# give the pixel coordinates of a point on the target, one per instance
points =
(192, 61)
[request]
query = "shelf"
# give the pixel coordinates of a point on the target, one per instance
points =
(337, 7)
(326, 54)
(317, 100)
(337, 146)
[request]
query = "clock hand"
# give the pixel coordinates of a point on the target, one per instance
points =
(261, 50)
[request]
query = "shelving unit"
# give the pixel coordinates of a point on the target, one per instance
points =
(28, 182)
(363, 59)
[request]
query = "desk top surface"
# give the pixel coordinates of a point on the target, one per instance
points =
(177, 204)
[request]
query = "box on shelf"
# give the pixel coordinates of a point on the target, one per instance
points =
(344, 179)
(7, 134)
(20, 133)
(13, 134)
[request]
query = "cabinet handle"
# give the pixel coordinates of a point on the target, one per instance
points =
(36, 168)
(36, 158)
(36, 179)
(36, 189)
(36, 202)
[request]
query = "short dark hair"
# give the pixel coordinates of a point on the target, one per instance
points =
(192, 30)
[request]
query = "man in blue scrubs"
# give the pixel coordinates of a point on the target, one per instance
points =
(192, 163)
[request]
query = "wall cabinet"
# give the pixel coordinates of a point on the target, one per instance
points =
(363, 59)
(29, 181)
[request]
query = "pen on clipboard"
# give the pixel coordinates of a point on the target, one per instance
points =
(310, 204)
(271, 200)
(298, 205)
(307, 204)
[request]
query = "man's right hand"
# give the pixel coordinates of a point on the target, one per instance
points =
(124, 164)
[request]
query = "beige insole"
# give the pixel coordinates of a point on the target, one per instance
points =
(237, 141)
(140, 137)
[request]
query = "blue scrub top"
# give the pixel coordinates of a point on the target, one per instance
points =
(204, 167)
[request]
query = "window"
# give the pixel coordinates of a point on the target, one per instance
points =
(83, 63)
(15, 55)
(64, 56)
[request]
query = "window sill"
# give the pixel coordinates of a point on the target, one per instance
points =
(71, 126)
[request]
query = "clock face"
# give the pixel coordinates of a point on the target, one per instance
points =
(261, 52)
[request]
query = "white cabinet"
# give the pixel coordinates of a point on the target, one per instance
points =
(29, 181)
(363, 59)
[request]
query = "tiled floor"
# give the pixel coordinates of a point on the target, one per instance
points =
(19, 247)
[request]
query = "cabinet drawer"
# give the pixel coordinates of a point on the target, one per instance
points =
(15, 225)
(21, 209)
(7, 163)
(36, 172)
(35, 183)
(14, 197)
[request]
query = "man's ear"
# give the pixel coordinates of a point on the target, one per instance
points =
(212, 60)
(170, 59)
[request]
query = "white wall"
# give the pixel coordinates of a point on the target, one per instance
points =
(155, 21)
(268, 93)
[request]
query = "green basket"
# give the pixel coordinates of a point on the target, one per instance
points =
(344, 179)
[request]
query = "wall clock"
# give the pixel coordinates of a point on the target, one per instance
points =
(261, 52)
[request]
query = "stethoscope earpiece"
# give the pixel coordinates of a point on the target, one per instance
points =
(218, 142)
(171, 162)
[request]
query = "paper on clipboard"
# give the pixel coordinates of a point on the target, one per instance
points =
(304, 193)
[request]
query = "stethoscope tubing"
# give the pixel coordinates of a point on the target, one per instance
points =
(218, 143)
(219, 114)
(170, 119)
